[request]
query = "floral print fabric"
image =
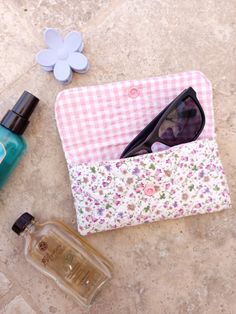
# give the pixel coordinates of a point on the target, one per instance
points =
(184, 180)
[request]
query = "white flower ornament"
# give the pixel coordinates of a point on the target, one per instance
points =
(63, 55)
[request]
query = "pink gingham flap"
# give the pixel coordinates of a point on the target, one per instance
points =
(184, 180)
(96, 123)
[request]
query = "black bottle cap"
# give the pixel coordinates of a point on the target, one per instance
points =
(22, 222)
(17, 119)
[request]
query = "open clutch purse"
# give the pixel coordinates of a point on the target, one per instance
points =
(96, 123)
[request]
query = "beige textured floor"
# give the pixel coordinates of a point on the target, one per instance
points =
(182, 266)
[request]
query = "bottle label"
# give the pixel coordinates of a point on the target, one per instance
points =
(2, 152)
(65, 261)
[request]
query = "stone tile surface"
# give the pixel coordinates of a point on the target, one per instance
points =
(182, 266)
(5, 284)
(18, 306)
(17, 45)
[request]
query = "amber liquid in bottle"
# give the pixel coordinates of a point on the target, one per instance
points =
(60, 253)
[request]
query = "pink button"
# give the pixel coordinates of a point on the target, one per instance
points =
(149, 190)
(134, 92)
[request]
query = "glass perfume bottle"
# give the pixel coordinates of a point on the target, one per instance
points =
(61, 254)
(12, 126)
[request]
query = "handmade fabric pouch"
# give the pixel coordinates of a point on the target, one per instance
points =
(96, 123)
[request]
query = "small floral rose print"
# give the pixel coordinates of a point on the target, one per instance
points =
(109, 178)
(181, 211)
(108, 167)
(136, 171)
(131, 206)
(100, 211)
(117, 196)
(152, 157)
(94, 188)
(120, 215)
(167, 186)
(178, 191)
(130, 180)
(167, 173)
(201, 174)
(139, 188)
(120, 189)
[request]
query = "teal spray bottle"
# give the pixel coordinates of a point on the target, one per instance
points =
(12, 126)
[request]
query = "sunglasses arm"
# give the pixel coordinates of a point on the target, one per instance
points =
(143, 147)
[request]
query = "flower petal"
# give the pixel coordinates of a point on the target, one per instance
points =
(67, 81)
(48, 69)
(78, 61)
(83, 71)
(73, 41)
(62, 71)
(46, 57)
(53, 38)
(81, 48)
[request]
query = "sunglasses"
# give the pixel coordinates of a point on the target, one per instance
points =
(182, 121)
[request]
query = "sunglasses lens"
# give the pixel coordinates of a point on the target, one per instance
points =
(182, 124)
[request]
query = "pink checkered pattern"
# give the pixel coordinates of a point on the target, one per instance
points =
(96, 123)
